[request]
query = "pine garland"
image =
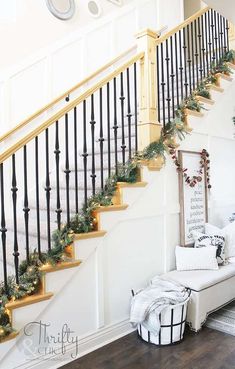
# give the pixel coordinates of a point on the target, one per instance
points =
(83, 222)
(229, 56)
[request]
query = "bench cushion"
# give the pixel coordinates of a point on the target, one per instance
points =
(198, 280)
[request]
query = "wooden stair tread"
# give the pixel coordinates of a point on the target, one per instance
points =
(29, 300)
(60, 266)
(205, 100)
(101, 209)
(225, 76)
(10, 336)
(231, 65)
(93, 234)
(136, 184)
(193, 113)
(216, 88)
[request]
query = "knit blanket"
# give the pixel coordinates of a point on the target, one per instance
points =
(147, 304)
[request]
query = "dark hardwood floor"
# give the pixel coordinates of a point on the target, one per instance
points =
(208, 349)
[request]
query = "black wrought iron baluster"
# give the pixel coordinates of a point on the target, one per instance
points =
(196, 51)
(176, 70)
(227, 37)
(189, 61)
(37, 196)
(192, 53)
(3, 229)
(85, 154)
(206, 44)
(203, 46)
(185, 64)
(129, 115)
(26, 203)
(181, 66)
(200, 48)
(172, 75)
(216, 36)
(210, 40)
(136, 104)
(48, 191)
(115, 125)
(14, 190)
(67, 171)
(168, 98)
(163, 86)
(101, 141)
(213, 37)
(221, 35)
(57, 163)
(158, 85)
(93, 123)
(108, 128)
(122, 99)
(75, 157)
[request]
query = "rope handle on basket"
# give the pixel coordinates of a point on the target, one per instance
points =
(189, 291)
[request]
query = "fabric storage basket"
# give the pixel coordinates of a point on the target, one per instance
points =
(172, 321)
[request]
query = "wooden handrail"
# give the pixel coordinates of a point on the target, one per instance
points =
(182, 25)
(64, 95)
(14, 148)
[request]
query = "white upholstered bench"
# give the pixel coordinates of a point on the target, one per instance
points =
(211, 289)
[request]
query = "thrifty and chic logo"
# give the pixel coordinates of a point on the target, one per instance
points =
(40, 339)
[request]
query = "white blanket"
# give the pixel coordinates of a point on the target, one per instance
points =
(147, 304)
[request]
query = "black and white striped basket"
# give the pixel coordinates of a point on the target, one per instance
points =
(172, 323)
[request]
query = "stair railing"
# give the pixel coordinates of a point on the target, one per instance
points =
(69, 94)
(50, 173)
(185, 56)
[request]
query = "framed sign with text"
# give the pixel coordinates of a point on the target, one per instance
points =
(193, 200)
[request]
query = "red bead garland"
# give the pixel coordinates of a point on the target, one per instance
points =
(204, 165)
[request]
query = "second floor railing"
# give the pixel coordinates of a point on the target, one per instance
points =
(186, 56)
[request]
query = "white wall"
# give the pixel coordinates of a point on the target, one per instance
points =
(62, 53)
(34, 27)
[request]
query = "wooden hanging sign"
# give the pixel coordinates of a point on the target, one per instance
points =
(193, 199)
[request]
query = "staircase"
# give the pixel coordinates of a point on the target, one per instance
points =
(48, 176)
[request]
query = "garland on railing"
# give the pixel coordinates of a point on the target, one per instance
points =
(30, 271)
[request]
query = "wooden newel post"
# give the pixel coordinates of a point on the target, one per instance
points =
(149, 129)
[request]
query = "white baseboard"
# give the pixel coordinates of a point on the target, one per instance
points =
(86, 344)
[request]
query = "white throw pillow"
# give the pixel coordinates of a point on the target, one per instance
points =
(215, 240)
(228, 232)
(189, 258)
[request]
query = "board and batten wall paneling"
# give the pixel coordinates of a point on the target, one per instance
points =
(132, 256)
(67, 67)
(2, 109)
(28, 91)
(223, 178)
(68, 60)
(148, 15)
(97, 48)
(121, 24)
(169, 13)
